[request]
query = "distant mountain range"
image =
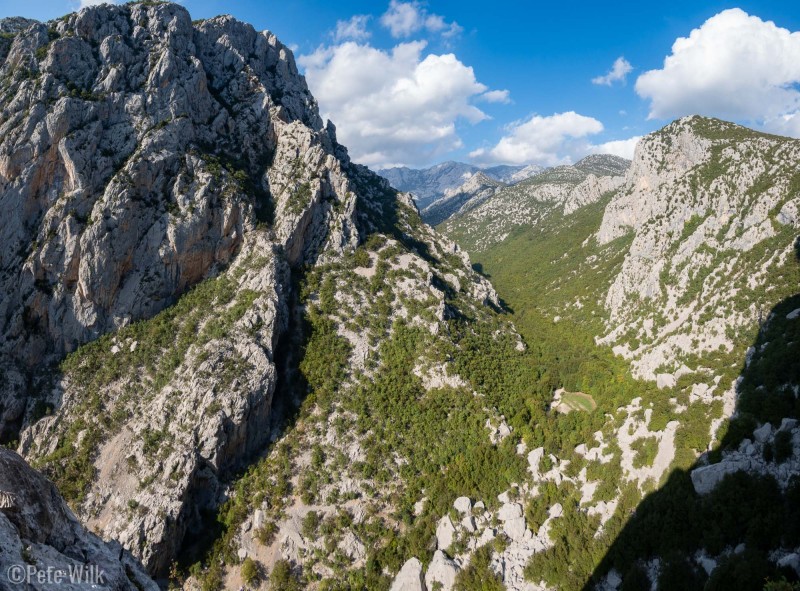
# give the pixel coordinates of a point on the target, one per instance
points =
(445, 199)
(429, 184)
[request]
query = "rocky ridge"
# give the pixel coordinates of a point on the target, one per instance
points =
(686, 267)
(712, 210)
(477, 189)
(431, 184)
(39, 532)
(179, 216)
(562, 188)
(129, 177)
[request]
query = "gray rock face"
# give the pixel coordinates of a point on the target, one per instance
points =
(445, 533)
(441, 570)
(750, 458)
(477, 189)
(509, 174)
(429, 185)
(37, 530)
(707, 205)
(128, 175)
(410, 577)
(142, 155)
(487, 217)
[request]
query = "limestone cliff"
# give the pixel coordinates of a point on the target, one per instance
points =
(562, 189)
(169, 186)
(43, 544)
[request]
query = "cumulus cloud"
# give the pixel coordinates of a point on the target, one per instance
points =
(788, 124)
(354, 29)
(555, 139)
(618, 72)
(622, 148)
(393, 107)
(495, 96)
(403, 19)
(734, 66)
(561, 138)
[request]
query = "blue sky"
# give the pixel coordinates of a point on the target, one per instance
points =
(421, 82)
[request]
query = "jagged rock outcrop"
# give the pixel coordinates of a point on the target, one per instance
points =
(137, 151)
(562, 189)
(708, 207)
(429, 185)
(410, 577)
(169, 184)
(142, 154)
(38, 532)
(510, 174)
(749, 457)
(442, 571)
(477, 189)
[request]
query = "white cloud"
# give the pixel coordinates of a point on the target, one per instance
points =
(618, 72)
(735, 66)
(406, 18)
(354, 29)
(495, 96)
(622, 148)
(551, 140)
(788, 124)
(393, 107)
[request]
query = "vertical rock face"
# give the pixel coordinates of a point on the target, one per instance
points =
(168, 186)
(144, 156)
(38, 531)
(480, 216)
(137, 152)
(709, 207)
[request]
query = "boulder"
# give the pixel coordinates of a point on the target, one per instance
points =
(763, 433)
(410, 577)
(487, 536)
(556, 511)
(791, 561)
(705, 478)
(665, 380)
(509, 511)
(441, 570)
(515, 528)
(444, 533)
(534, 457)
(613, 579)
(708, 564)
(463, 505)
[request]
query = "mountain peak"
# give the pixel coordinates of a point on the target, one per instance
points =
(711, 128)
(15, 24)
(603, 164)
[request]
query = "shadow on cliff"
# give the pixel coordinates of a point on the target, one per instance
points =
(746, 516)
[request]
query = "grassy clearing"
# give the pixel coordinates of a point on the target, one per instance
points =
(578, 401)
